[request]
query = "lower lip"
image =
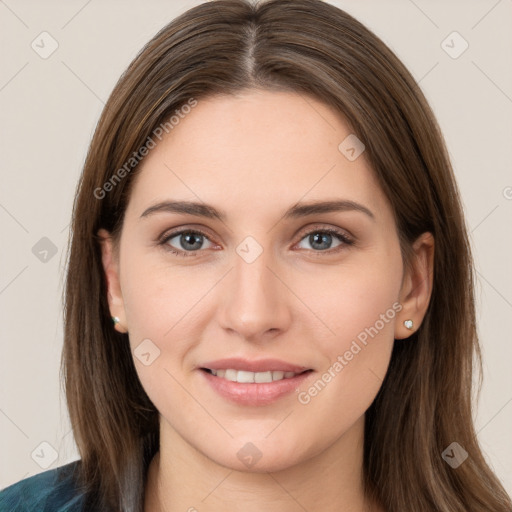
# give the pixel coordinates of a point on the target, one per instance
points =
(261, 393)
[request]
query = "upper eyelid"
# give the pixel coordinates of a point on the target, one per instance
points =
(325, 227)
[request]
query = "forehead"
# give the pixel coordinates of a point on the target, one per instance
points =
(257, 148)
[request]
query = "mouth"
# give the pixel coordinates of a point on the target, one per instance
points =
(246, 377)
(254, 383)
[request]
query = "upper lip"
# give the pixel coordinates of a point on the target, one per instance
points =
(259, 365)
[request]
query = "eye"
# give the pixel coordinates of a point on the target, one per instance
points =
(188, 242)
(321, 239)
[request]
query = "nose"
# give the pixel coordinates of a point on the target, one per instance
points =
(255, 302)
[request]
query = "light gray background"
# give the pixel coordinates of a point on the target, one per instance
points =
(50, 108)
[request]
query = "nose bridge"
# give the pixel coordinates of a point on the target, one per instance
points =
(255, 301)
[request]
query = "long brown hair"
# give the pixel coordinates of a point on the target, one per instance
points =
(316, 49)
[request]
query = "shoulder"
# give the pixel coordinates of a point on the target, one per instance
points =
(54, 490)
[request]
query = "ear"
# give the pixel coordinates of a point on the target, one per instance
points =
(416, 286)
(110, 262)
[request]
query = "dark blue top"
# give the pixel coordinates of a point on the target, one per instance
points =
(53, 490)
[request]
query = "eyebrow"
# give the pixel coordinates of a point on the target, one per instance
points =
(296, 211)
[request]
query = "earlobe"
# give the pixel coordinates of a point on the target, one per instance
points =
(111, 270)
(416, 287)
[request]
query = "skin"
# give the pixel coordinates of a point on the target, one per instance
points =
(253, 156)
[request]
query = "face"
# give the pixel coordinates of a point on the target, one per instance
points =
(273, 288)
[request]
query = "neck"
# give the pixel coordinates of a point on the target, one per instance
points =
(180, 478)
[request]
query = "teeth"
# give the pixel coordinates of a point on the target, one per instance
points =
(247, 377)
(244, 377)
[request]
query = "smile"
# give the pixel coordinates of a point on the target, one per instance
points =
(246, 388)
(246, 377)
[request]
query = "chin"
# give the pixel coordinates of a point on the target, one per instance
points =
(258, 457)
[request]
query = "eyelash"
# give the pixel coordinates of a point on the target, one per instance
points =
(342, 237)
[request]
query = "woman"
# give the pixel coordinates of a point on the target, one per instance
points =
(258, 368)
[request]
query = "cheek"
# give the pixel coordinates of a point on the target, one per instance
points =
(165, 310)
(353, 299)
(161, 298)
(358, 310)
